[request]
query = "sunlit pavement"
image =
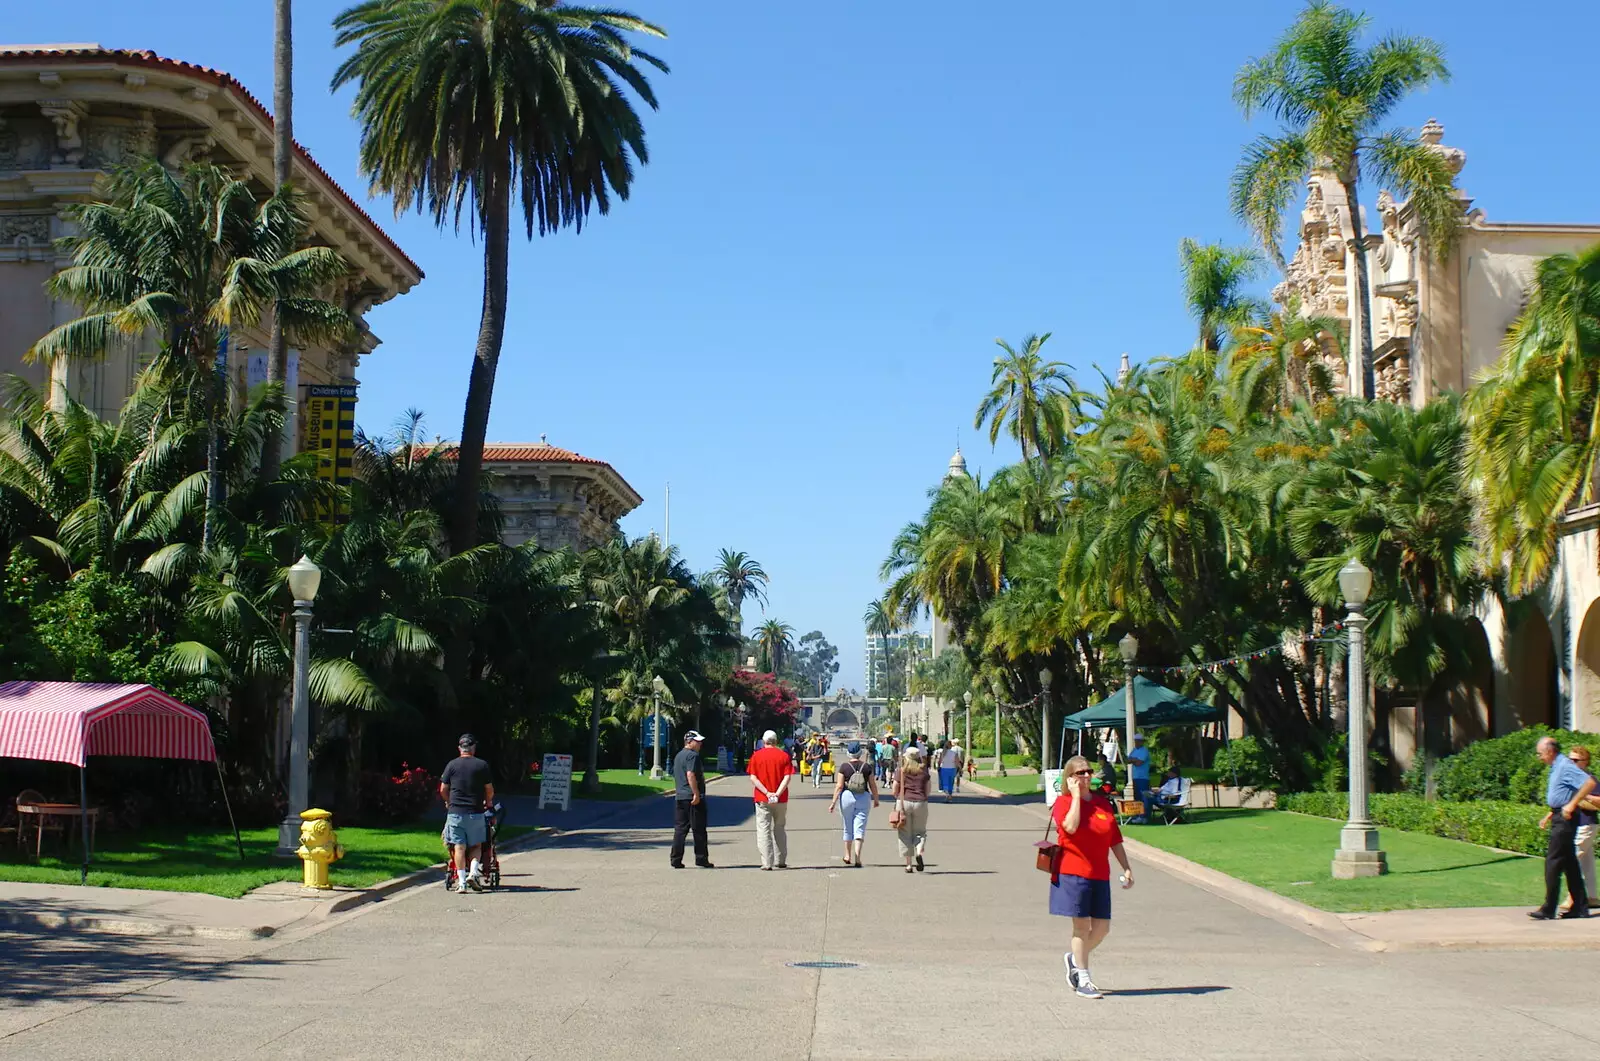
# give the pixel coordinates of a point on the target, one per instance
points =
(596, 948)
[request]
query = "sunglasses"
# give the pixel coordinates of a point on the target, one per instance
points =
(1083, 773)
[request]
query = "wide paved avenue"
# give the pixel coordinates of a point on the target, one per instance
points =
(597, 949)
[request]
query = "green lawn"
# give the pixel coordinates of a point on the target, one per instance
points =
(625, 784)
(1291, 853)
(206, 860)
(1013, 784)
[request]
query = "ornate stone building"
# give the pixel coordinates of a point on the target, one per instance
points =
(1437, 325)
(68, 113)
(555, 496)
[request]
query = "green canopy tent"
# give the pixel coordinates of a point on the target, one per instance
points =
(1155, 705)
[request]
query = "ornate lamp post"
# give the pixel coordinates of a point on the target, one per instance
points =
(304, 579)
(999, 758)
(1045, 678)
(1358, 854)
(1129, 648)
(966, 698)
(659, 687)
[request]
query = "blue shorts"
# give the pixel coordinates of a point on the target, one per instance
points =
(1080, 897)
(947, 779)
(464, 830)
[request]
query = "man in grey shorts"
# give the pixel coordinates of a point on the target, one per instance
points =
(467, 787)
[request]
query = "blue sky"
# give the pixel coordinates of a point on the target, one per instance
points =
(793, 318)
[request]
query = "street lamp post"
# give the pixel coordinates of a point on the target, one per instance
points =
(999, 758)
(659, 687)
(1045, 678)
(1129, 647)
(304, 579)
(966, 698)
(1358, 854)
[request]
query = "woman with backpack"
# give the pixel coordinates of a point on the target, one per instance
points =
(853, 787)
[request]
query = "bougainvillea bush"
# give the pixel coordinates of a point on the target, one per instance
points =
(402, 798)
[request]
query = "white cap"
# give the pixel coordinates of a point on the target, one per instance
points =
(1138, 736)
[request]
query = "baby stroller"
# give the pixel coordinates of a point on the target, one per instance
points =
(488, 861)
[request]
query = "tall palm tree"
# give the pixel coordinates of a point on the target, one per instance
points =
(1029, 398)
(1213, 278)
(1275, 359)
(882, 622)
(741, 579)
(190, 257)
(1332, 96)
(1534, 420)
(282, 174)
(482, 102)
(776, 638)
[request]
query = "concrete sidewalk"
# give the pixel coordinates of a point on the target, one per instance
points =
(269, 911)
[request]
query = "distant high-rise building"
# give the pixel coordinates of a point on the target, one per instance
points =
(877, 669)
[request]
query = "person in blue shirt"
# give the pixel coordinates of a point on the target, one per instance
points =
(1567, 785)
(1139, 770)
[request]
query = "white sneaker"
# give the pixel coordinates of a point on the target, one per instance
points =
(1086, 988)
(475, 881)
(1072, 969)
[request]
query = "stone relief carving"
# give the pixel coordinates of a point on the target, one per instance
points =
(15, 229)
(67, 115)
(112, 143)
(187, 149)
(24, 145)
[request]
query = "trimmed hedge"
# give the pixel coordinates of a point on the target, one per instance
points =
(1502, 768)
(1488, 823)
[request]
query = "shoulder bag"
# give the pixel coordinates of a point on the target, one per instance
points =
(1047, 853)
(897, 817)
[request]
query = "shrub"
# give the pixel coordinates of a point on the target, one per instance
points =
(398, 799)
(1246, 760)
(1503, 768)
(1489, 823)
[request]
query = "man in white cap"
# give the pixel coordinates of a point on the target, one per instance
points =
(770, 770)
(689, 814)
(1139, 770)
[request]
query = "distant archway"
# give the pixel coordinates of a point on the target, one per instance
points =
(1586, 673)
(843, 717)
(1535, 689)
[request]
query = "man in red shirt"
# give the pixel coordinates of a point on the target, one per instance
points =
(770, 770)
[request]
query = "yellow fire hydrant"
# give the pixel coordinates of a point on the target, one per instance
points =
(318, 846)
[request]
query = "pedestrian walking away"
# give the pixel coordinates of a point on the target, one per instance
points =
(949, 769)
(855, 793)
(816, 751)
(770, 770)
(911, 807)
(467, 787)
(689, 813)
(1080, 877)
(1566, 788)
(1587, 818)
(885, 764)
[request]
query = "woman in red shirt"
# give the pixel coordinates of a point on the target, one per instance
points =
(1086, 830)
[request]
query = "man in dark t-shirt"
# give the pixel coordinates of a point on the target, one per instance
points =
(467, 787)
(689, 811)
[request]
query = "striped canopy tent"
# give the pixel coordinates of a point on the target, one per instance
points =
(66, 722)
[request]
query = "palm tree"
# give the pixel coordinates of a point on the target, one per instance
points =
(482, 102)
(1332, 96)
(741, 579)
(1031, 399)
(1212, 278)
(776, 638)
(1277, 358)
(881, 621)
(190, 257)
(282, 174)
(1534, 420)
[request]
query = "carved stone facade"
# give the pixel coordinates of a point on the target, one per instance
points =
(555, 497)
(1438, 325)
(70, 113)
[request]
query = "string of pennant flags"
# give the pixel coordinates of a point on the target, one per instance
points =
(1216, 665)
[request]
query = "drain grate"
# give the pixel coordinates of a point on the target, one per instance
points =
(824, 965)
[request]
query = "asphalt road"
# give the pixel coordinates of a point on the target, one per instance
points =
(597, 949)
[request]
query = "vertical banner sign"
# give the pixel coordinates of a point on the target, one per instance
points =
(555, 781)
(330, 433)
(1052, 787)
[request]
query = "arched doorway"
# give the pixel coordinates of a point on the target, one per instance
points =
(1535, 689)
(1586, 672)
(1455, 715)
(843, 718)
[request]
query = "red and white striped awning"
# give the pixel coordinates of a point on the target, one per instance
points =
(65, 722)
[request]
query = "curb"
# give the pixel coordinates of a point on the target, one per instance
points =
(130, 926)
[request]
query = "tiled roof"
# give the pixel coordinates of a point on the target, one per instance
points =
(533, 451)
(151, 59)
